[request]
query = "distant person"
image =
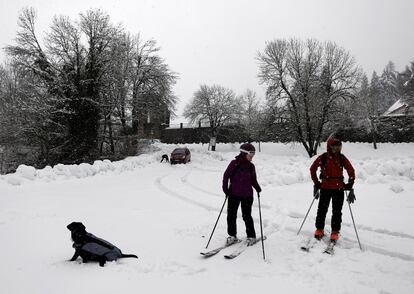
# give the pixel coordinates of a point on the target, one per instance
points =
(164, 156)
(242, 175)
(332, 186)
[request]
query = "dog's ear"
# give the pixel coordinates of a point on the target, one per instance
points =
(75, 225)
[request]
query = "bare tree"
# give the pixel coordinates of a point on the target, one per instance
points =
(32, 105)
(90, 74)
(252, 117)
(307, 78)
(152, 82)
(28, 53)
(216, 105)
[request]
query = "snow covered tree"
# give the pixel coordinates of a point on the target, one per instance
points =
(252, 118)
(406, 84)
(152, 82)
(375, 104)
(389, 88)
(215, 104)
(366, 105)
(34, 109)
(90, 73)
(307, 79)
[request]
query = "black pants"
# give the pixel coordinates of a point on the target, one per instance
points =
(246, 207)
(337, 197)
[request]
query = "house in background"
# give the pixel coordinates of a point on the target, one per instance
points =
(399, 108)
(397, 123)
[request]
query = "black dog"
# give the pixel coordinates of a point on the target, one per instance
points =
(92, 248)
(165, 156)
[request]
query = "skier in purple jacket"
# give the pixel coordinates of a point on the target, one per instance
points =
(242, 175)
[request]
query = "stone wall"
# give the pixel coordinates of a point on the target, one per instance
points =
(183, 135)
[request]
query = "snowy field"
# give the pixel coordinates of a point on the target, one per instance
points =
(165, 214)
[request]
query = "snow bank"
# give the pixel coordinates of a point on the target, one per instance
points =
(277, 164)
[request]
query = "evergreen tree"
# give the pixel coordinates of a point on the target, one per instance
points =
(389, 89)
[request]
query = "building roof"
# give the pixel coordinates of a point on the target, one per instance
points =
(399, 108)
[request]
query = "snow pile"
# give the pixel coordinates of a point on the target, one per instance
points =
(396, 188)
(277, 164)
(385, 171)
(60, 171)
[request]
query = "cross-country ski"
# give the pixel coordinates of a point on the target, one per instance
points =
(214, 251)
(330, 248)
(245, 245)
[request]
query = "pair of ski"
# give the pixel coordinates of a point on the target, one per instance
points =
(312, 241)
(239, 250)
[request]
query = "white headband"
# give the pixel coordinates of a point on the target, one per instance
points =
(248, 152)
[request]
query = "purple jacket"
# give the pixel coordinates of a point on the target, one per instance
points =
(242, 176)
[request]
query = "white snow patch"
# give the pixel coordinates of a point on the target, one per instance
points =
(396, 188)
(26, 172)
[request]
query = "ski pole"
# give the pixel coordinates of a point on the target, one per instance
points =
(216, 221)
(353, 221)
(261, 225)
(306, 214)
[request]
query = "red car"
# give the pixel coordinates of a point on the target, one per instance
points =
(180, 155)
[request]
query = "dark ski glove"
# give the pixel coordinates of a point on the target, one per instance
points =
(351, 196)
(348, 186)
(316, 188)
(226, 192)
(316, 192)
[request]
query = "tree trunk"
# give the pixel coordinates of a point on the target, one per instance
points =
(111, 139)
(103, 137)
(374, 133)
(311, 151)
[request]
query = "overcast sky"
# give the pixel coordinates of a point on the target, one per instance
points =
(216, 41)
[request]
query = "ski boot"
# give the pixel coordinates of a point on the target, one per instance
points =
(251, 241)
(334, 236)
(319, 234)
(231, 240)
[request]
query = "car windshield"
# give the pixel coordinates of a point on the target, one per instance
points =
(179, 151)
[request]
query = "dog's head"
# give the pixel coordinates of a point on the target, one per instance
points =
(78, 231)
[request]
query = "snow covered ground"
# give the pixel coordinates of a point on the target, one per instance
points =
(165, 214)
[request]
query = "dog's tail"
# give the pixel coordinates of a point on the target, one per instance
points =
(128, 256)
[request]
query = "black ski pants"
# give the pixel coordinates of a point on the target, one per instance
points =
(246, 208)
(337, 197)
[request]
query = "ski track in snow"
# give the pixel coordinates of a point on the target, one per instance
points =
(294, 214)
(346, 242)
(184, 180)
(174, 194)
(372, 248)
(163, 187)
